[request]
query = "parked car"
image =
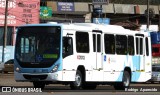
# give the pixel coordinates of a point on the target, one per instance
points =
(9, 66)
(155, 73)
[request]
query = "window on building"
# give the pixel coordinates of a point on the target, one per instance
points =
(43, 3)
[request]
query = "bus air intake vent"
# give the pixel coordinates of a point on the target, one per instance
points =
(37, 77)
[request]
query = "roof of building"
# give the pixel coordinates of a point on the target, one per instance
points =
(139, 2)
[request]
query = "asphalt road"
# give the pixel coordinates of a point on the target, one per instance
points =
(7, 82)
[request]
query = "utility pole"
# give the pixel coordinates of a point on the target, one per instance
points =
(148, 20)
(159, 18)
(5, 33)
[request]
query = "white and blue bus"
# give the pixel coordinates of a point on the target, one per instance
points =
(82, 55)
(8, 52)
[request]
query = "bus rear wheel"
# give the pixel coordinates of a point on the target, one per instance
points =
(125, 82)
(39, 85)
(78, 81)
(126, 79)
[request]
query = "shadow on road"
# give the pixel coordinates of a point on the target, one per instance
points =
(98, 89)
(65, 89)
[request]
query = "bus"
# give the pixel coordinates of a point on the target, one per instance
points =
(155, 54)
(155, 43)
(82, 55)
(10, 45)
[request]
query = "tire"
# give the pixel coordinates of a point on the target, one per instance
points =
(78, 81)
(39, 85)
(126, 79)
(125, 82)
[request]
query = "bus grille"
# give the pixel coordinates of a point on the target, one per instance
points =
(35, 77)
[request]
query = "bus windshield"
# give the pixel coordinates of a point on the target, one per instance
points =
(38, 46)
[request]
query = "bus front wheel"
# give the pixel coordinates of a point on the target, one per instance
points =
(39, 85)
(78, 81)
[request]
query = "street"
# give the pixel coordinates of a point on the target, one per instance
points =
(7, 81)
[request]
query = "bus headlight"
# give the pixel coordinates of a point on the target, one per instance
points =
(54, 69)
(17, 69)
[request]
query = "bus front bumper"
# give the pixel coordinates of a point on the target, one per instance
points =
(22, 77)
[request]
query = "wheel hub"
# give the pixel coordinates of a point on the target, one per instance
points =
(78, 80)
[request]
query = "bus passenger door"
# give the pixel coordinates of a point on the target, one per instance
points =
(140, 52)
(97, 49)
(147, 58)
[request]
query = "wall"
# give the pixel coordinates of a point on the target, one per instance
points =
(119, 8)
(20, 12)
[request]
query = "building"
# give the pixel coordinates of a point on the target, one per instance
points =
(19, 12)
(116, 10)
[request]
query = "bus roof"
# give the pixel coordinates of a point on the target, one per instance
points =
(89, 27)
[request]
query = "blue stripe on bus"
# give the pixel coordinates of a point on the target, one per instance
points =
(136, 64)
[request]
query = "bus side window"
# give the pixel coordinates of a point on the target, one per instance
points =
(67, 46)
(131, 45)
(121, 44)
(147, 46)
(82, 42)
(109, 43)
